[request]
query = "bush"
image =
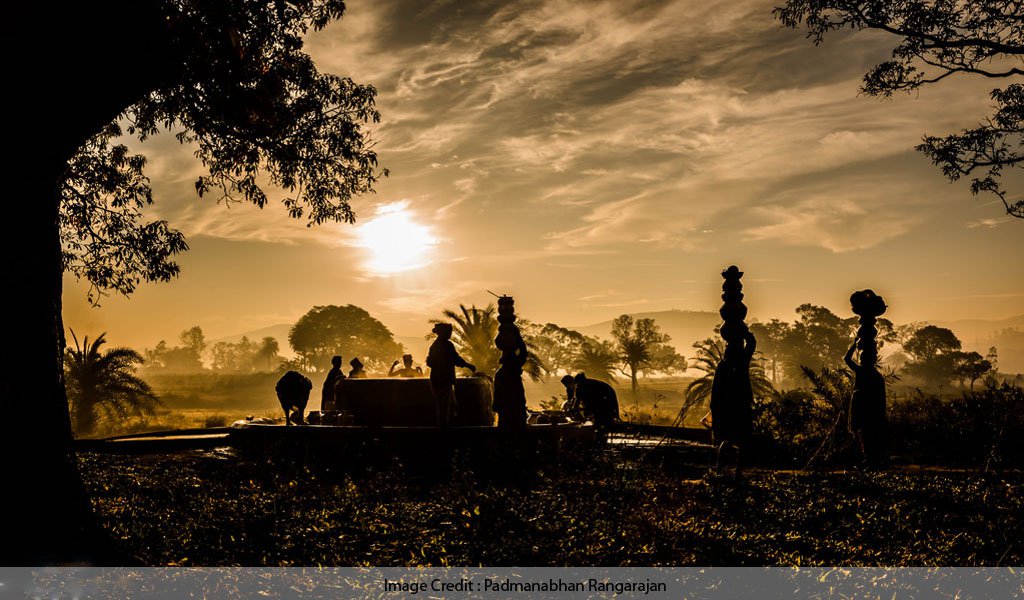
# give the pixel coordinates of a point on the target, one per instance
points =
(982, 428)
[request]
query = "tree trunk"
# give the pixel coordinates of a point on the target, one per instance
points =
(632, 378)
(105, 56)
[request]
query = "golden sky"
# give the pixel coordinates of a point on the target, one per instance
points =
(594, 159)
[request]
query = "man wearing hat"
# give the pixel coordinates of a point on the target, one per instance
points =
(357, 371)
(442, 360)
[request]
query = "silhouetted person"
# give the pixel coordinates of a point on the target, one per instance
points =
(509, 394)
(867, 418)
(357, 371)
(327, 393)
(732, 396)
(571, 406)
(293, 393)
(442, 360)
(407, 369)
(597, 399)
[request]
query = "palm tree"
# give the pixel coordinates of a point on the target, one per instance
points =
(473, 333)
(709, 354)
(104, 384)
(597, 360)
(268, 350)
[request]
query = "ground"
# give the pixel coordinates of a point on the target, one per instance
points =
(211, 508)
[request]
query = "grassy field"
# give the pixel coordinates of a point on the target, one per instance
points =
(213, 509)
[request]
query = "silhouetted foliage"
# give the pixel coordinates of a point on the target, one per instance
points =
(818, 338)
(970, 366)
(256, 111)
(938, 40)
(641, 346)
(103, 385)
(771, 338)
(935, 351)
(557, 347)
(267, 352)
(106, 241)
(348, 331)
(180, 359)
(597, 359)
(193, 340)
(983, 428)
(243, 356)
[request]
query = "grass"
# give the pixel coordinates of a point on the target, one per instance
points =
(211, 509)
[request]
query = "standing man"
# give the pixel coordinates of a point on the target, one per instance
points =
(442, 360)
(327, 394)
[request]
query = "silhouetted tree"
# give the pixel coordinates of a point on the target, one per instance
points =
(104, 384)
(771, 338)
(473, 333)
(934, 351)
(232, 79)
(640, 345)
(938, 40)
(193, 340)
(268, 351)
(557, 347)
(818, 338)
(238, 357)
(184, 358)
(971, 366)
(597, 359)
(346, 330)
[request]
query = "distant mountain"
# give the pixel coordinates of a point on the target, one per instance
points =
(684, 326)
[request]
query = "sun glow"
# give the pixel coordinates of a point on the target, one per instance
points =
(394, 241)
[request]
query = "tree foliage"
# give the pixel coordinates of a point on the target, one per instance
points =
(641, 346)
(597, 359)
(935, 351)
(971, 366)
(103, 385)
(557, 347)
(938, 40)
(181, 359)
(256, 111)
(348, 331)
(105, 238)
(245, 355)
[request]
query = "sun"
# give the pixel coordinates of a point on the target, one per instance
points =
(394, 241)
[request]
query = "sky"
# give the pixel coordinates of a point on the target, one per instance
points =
(593, 159)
